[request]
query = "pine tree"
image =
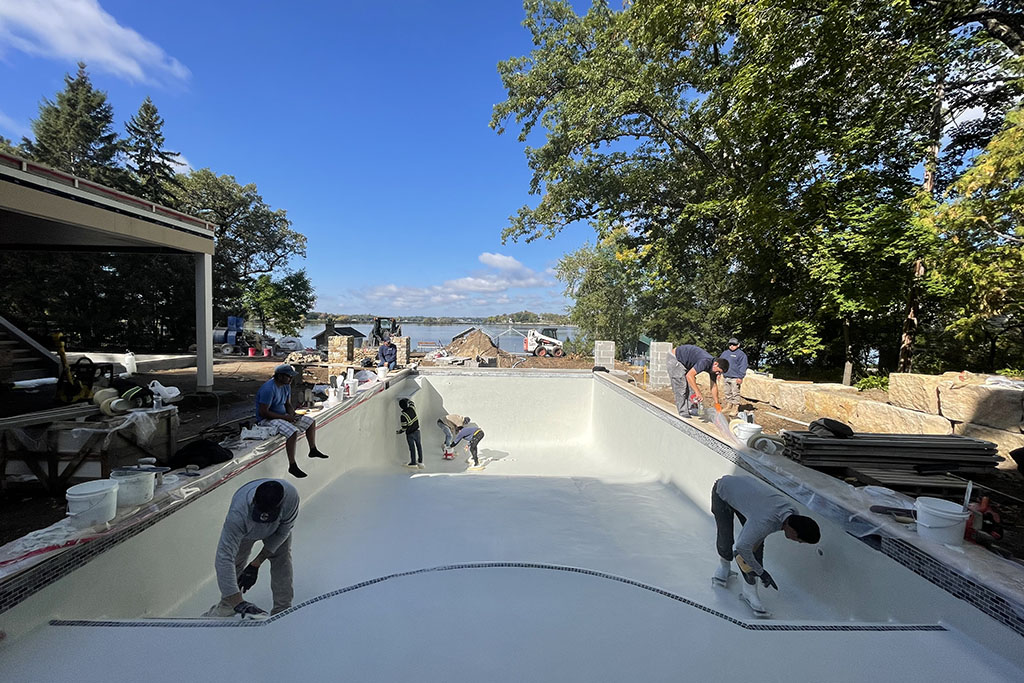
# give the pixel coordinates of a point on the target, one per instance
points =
(150, 164)
(76, 133)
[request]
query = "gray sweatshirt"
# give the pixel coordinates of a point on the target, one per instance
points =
(239, 526)
(764, 507)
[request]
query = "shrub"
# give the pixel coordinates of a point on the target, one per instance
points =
(873, 382)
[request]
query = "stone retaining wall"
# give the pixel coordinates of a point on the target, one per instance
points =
(918, 404)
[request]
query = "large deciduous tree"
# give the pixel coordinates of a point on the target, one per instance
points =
(282, 303)
(764, 155)
(252, 238)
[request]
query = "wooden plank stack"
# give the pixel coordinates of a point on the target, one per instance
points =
(917, 453)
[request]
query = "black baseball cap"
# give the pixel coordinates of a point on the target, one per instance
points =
(267, 502)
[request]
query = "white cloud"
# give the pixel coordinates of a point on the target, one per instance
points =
(13, 128)
(80, 30)
(181, 164)
(507, 284)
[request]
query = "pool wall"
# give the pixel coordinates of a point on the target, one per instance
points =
(151, 573)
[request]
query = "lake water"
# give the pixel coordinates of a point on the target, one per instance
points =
(507, 341)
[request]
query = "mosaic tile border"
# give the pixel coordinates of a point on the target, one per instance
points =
(988, 601)
(1008, 613)
(253, 623)
(34, 579)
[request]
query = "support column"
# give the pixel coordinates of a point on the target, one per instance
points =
(604, 354)
(659, 365)
(204, 322)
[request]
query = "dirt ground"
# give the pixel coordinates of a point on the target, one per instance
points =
(236, 382)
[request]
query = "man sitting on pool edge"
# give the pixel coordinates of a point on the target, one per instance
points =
(274, 409)
(762, 510)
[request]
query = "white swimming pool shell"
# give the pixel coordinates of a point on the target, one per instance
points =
(582, 552)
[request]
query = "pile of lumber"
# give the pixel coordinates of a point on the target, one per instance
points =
(916, 453)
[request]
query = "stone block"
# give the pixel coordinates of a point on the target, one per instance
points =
(839, 405)
(991, 406)
(916, 392)
(759, 388)
(882, 418)
(1004, 440)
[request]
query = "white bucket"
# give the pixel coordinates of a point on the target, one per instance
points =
(745, 430)
(351, 386)
(941, 520)
(134, 488)
(92, 503)
(382, 373)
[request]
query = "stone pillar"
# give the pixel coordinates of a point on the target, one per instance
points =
(658, 370)
(340, 349)
(403, 346)
(339, 354)
(604, 354)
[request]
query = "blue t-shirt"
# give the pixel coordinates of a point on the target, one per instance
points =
(695, 358)
(274, 396)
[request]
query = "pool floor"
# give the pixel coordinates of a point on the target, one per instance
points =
(545, 510)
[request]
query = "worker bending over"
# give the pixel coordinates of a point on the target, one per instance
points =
(274, 409)
(472, 432)
(262, 510)
(684, 364)
(762, 510)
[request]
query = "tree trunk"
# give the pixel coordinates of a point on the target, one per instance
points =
(931, 167)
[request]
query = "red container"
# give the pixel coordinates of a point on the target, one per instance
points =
(252, 352)
(266, 353)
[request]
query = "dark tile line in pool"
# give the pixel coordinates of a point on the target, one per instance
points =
(953, 582)
(248, 623)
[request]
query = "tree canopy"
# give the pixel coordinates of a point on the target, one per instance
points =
(761, 163)
(147, 301)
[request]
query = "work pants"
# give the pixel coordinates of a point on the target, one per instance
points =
(680, 387)
(732, 391)
(280, 577)
(473, 442)
(723, 513)
(415, 446)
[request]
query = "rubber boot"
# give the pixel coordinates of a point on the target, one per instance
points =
(750, 597)
(722, 574)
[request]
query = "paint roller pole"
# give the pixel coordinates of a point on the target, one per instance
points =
(967, 495)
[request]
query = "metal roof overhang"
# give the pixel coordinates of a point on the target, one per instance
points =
(44, 209)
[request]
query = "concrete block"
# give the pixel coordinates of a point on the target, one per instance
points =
(882, 418)
(760, 388)
(1005, 441)
(916, 392)
(839, 405)
(658, 371)
(997, 407)
(604, 354)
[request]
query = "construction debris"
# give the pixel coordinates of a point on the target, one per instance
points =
(306, 357)
(473, 344)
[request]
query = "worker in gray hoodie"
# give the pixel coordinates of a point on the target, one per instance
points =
(262, 510)
(762, 510)
(472, 432)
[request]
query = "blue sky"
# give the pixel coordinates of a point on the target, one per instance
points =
(366, 121)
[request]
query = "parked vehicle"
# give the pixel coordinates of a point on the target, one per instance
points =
(543, 343)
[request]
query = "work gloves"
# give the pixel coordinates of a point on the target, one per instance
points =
(243, 608)
(767, 581)
(247, 579)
